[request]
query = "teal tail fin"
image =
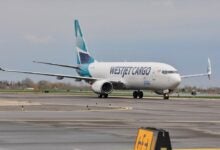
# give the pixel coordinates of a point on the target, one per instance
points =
(83, 56)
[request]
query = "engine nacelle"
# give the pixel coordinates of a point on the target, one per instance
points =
(102, 87)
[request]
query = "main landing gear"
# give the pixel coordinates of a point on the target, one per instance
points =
(166, 96)
(103, 96)
(138, 94)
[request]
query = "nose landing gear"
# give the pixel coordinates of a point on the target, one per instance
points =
(138, 94)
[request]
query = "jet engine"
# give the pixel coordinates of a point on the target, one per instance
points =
(102, 87)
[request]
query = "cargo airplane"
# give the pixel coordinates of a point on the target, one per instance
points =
(104, 77)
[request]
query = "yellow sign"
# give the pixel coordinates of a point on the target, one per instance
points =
(144, 140)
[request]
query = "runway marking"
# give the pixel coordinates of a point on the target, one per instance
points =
(78, 110)
(4, 102)
(115, 108)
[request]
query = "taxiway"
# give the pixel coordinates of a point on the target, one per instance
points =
(87, 123)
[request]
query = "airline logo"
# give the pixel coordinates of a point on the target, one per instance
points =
(118, 70)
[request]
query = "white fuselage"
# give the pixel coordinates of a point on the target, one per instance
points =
(137, 75)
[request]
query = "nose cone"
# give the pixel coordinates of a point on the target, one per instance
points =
(176, 80)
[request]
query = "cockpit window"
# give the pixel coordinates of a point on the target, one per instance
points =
(169, 71)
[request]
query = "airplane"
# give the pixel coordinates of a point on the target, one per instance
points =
(104, 77)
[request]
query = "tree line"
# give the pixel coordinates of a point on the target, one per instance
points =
(40, 85)
(47, 85)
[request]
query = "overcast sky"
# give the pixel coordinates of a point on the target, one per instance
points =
(183, 33)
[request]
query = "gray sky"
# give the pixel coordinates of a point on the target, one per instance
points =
(182, 33)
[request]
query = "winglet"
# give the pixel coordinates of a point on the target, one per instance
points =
(208, 73)
(209, 69)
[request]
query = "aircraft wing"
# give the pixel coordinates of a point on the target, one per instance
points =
(59, 76)
(116, 83)
(54, 64)
(195, 75)
(209, 72)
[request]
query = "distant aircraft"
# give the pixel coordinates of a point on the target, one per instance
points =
(106, 76)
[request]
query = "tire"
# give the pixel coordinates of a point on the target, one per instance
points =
(166, 96)
(140, 94)
(105, 95)
(100, 96)
(135, 94)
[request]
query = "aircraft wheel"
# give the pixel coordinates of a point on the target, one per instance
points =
(135, 94)
(140, 94)
(166, 96)
(105, 95)
(100, 96)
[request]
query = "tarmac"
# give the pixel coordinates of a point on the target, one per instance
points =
(47, 121)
